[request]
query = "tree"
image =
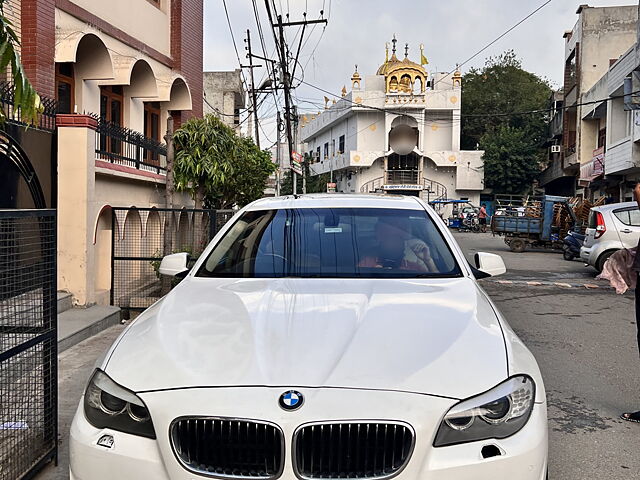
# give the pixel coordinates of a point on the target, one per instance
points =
(493, 98)
(511, 159)
(25, 97)
(216, 166)
(315, 183)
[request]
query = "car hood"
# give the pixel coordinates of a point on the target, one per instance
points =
(435, 336)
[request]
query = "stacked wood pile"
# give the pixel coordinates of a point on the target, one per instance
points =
(533, 209)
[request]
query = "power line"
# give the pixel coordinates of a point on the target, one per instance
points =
(235, 47)
(496, 39)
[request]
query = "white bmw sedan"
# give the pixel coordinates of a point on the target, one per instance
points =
(319, 337)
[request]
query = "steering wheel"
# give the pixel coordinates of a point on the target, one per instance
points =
(276, 255)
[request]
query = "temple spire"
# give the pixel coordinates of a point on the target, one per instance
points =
(394, 41)
(406, 50)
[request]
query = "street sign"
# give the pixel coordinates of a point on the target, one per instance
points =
(402, 187)
(296, 163)
(331, 187)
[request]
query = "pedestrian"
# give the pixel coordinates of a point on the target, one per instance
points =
(482, 217)
(635, 416)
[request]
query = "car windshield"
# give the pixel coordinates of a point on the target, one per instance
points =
(330, 243)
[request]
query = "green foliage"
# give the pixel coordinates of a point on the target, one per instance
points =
(503, 87)
(511, 159)
(25, 97)
(315, 183)
(219, 168)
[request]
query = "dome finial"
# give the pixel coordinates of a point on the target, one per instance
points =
(406, 50)
(394, 41)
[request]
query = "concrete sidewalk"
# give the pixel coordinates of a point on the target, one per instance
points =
(75, 366)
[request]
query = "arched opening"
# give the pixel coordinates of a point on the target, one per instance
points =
(142, 83)
(19, 184)
(183, 237)
(418, 85)
(404, 135)
(92, 59)
(180, 96)
(103, 239)
(153, 235)
(393, 84)
(405, 83)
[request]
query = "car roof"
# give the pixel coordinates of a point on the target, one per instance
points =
(615, 206)
(337, 200)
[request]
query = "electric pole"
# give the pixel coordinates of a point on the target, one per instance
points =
(254, 97)
(278, 153)
(286, 77)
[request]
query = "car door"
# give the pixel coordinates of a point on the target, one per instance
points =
(627, 222)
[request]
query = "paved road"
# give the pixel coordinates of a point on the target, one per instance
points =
(584, 341)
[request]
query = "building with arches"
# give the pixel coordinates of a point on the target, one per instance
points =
(118, 70)
(396, 131)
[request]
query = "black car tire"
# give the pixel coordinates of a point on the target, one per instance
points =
(517, 245)
(603, 258)
(568, 256)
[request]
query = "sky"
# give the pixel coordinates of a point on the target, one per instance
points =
(357, 30)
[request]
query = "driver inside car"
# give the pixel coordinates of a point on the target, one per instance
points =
(398, 249)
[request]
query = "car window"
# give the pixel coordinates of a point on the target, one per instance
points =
(332, 242)
(629, 217)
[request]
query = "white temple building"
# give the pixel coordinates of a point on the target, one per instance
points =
(396, 132)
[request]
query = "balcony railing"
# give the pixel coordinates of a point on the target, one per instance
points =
(123, 146)
(402, 177)
(46, 118)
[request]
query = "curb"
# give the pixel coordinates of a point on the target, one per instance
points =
(534, 283)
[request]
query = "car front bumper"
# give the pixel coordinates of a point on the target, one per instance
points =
(523, 455)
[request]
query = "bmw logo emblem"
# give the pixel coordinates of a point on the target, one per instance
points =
(291, 400)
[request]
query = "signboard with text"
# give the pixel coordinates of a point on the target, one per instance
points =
(296, 163)
(402, 187)
(331, 187)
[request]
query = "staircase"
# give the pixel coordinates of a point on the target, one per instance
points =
(373, 186)
(433, 190)
(76, 324)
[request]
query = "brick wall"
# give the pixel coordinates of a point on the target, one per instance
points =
(186, 49)
(38, 44)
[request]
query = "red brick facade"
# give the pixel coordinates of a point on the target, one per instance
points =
(186, 50)
(38, 44)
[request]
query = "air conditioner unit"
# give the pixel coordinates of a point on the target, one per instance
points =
(556, 148)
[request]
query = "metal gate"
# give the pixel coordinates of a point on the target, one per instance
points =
(28, 342)
(142, 236)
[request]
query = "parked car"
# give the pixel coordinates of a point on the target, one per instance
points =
(611, 228)
(318, 337)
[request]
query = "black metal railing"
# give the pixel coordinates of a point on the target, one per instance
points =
(122, 146)
(46, 117)
(402, 177)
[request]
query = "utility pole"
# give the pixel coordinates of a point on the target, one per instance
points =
(278, 153)
(254, 99)
(286, 77)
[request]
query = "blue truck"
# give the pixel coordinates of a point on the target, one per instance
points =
(532, 221)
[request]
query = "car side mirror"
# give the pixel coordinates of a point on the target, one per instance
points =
(490, 264)
(175, 264)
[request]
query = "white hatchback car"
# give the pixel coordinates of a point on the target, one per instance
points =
(611, 228)
(318, 337)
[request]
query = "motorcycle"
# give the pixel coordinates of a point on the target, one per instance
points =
(572, 243)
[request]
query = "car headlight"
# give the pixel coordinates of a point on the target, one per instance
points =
(498, 413)
(108, 405)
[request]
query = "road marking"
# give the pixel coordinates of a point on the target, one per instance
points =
(533, 283)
